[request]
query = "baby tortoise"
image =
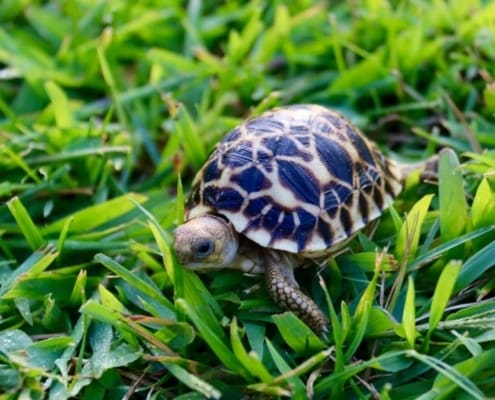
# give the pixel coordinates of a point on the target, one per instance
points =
(294, 184)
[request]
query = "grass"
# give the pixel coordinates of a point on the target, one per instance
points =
(105, 105)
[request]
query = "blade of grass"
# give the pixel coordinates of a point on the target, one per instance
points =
(60, 103)
(452, 200)
(135, 281)
(442, 293)
(409, 314)
(34, 264)
(281, 364)
(449, 372)
(215, 343)
(438, 251)
(296, 333)
(251, 361)
(408, 239)
(475, 266)
(26, 224)
(90, 218)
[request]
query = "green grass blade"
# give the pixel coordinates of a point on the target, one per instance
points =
(409, 315)
(31, 267)
(450, 373)
(442, 293)
(135, 281)
(475, 266)
(25, 223)
(180, 201)
(109, 78)
(452, 199)
(60, 103)
(193, 382)
(216, 344)
(188, 132)
(20, 162)
(281, 364)
(408, 239)
(90, 218)
(296, 333)
(251, 361)
(438, 251)
(483, 208)
(351, 370)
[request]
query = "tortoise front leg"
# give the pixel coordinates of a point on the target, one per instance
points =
(284, 291)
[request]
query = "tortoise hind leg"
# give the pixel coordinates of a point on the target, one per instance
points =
(284, 291)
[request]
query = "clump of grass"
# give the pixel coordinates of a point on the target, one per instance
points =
(103, 106)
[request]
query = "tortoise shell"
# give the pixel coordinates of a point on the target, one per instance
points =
(300, 178)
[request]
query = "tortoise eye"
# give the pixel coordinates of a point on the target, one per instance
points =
(203, 248)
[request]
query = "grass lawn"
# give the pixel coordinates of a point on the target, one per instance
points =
(108, 108)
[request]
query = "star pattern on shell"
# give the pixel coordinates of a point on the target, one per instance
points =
(299, 178)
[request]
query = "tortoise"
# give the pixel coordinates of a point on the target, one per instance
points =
(292, 185)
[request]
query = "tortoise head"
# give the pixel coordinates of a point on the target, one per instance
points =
(206, 243)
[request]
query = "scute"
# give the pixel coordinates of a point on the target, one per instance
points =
(300, 179)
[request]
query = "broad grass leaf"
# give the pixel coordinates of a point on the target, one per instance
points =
(44, 353)
(90, 218)
(483, 208)
(380, 322)
(36, 287)
(109, 301)
(408, 239)
(105, 355)
(452, 199)
(100, 312)
(14, 340)
(442, 293)
(409, 314)
(393, 363)
(22, 305)
(475, 266)
(361, 316)
(297, 334)
(251, 360)
(255, 334)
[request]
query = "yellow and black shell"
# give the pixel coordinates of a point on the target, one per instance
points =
(300, 178)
